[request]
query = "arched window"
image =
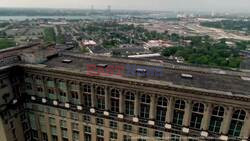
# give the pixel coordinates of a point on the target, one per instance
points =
(87, 88)
(197, 115)
(87, 95)
(179, 111)
(129, 103)
(237, 123)
(161, 109)
(145, 106)
(100, 97)
(74, 97)
(100, 91)
(216, 119)
(114, 100)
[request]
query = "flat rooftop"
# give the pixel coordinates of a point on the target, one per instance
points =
(232, 82)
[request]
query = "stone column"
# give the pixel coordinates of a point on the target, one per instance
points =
(137, 103)
(121, 102)
(58, 130)
(56, 85)
(206, 117)
(67, 90)
(206, 120)
(80, 93)
(226, 120)
(136, 107)
(170, 109)
(81, 133)
(93, 133)
(152, 110)
(93, 95)
(48, 127)
(187, 114)
(107, 98)
(245, 131)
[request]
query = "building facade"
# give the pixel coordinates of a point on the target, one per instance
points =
(46, 102)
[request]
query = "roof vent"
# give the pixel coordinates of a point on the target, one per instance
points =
(141, 70)
(245, 78)
(183, 75)
(66, 61)
(102, 65)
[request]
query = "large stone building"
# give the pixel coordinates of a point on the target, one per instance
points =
(73, 97)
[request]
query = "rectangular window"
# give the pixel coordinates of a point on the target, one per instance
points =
(63, 123)
(41, 108)
(53, 130)
(129, 108)
(113, 124)
(87, 137)
(51, 110)
(100, 102)
(99, 139)
(86, 118)
(178, 117)
(144, 111)
(159, 135)
(75, 136)
(175, 137)
(74, 116)
(64, 133)
(34, 134)
(74, 97)
(42, 123)
(87, 99)
(87, 129)
(50, 83)
(196, 120)
(215, 124)
(99, 121)
(235, 128)
(62, 85)
(127, 138)
(62, 96)
(74, 126)
(87, 88)
(127, 127)
(52, 121)
(113, 135)
(51, 94)
(54, 138)
(143, 131)
(44, 136)
(32, 121)
(63, 113)
(100, 132)
(39, 89)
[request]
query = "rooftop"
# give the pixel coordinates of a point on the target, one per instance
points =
(231, 82)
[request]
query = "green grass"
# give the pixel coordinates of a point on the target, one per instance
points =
(6, 43)
(49, 35)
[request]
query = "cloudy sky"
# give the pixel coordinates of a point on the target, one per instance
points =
(201, 5)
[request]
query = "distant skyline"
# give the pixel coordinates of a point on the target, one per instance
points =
(162, 5)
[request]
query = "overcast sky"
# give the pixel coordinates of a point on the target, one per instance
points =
(177, 5)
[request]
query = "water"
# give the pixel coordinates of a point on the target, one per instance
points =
(21, 18)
